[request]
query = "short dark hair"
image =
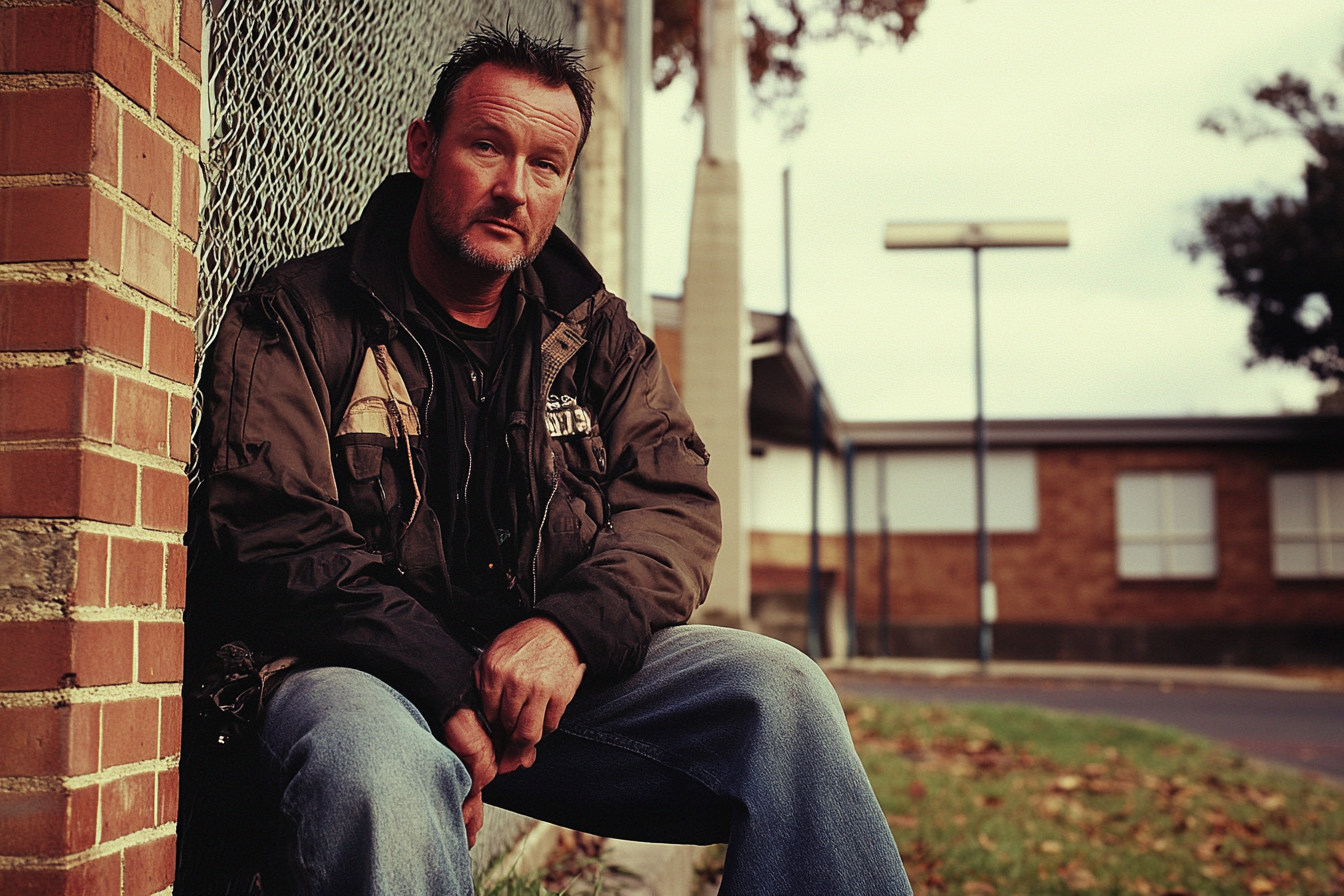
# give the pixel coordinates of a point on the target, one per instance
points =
(551, 62)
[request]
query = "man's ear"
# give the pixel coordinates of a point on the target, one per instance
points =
(420, 148)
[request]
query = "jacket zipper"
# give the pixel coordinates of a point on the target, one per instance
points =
(541, 531)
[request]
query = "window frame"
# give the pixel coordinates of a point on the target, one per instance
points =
(1167, 536)
(1326, 534)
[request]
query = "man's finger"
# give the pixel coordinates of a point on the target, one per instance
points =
(473, 817)
(467, 737)
(527, 729)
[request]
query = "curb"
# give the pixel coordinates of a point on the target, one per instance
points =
(1115, 673)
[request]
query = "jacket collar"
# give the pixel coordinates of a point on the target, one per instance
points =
(561, 279)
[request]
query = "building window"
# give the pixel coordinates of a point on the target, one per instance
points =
(1164, 525)
(1308, 520)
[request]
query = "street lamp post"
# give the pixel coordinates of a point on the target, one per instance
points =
(977, 236)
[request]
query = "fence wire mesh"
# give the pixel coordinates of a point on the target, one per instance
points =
(308, 106)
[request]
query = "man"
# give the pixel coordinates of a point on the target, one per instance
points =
(451, 517)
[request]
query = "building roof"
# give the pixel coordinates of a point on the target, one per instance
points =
(1099, 431)
(784, 377)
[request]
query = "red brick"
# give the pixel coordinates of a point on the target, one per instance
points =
(68, 316)
(148, 260)
(36, 654)
(48, 823)
(107, 489)
(103, 652)
(177, 576)
(142, 417)
(160, 652)
(172, 349)
(44, 223)
(43, 741)
(191, 23)
(128, 806)
(105, 233)
(163, 502)
(179, 428)
(147, 168)
(170, 728)
(46, 131)
(168, 787)
(190, 212)
(106, 137)
(149, 866)
(91, 573)
(123, 60)
(188, 282)
(137, 573)
(99, 877)
(154, 16)
(70, 401)
(190, 57)
(46, 39)
(179, 104)
(130, 731)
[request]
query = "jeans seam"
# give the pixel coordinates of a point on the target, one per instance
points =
(650, 752)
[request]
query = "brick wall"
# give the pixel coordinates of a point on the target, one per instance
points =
(99, 127)
(1063, 576)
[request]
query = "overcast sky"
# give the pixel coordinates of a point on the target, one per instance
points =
(1004, 109)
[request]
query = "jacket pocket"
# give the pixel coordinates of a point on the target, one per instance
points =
(376, 469)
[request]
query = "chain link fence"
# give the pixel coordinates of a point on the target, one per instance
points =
(307, 107)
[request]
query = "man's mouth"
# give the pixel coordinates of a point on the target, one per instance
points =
(504, 225)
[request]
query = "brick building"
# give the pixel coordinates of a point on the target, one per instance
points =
(1174, 540)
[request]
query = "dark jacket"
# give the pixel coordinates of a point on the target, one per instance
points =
(310, 532)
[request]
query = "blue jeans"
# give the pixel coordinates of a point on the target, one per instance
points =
(723, 736)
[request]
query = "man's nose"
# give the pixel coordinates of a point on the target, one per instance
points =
(510, 183)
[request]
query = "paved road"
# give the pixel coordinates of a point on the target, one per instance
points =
(1305, 730)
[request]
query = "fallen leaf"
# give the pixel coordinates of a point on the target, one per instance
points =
(917, 790)
(902, 821)
(1208, 849)
(1214, 871)
(1067, 783)
(988, 802)
(1081, 879)
(1261, 885)
(983, 839)
(1051, 847)
(978, 888)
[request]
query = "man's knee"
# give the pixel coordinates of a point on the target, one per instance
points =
(346, 734)
(764, 678)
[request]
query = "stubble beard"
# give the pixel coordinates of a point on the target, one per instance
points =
(460, 243)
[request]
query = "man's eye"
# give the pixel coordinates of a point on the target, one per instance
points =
(483, 146)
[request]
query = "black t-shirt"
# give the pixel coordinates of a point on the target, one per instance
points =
(469, 461)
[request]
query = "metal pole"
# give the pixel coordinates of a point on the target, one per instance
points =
(814, 569)
(788, 266)
(988, 604)
(884, 562)
(851, 629)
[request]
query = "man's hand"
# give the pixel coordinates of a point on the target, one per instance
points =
(467, 738)
(526, 679)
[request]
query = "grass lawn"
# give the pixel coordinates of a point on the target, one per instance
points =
(1000, 800)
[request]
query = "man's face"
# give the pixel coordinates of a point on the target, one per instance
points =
(504, 159)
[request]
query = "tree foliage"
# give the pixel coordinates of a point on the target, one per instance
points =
(774, 32)
(1283, 257)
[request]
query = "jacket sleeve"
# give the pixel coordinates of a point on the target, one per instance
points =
(298, 577)
(652, 566)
